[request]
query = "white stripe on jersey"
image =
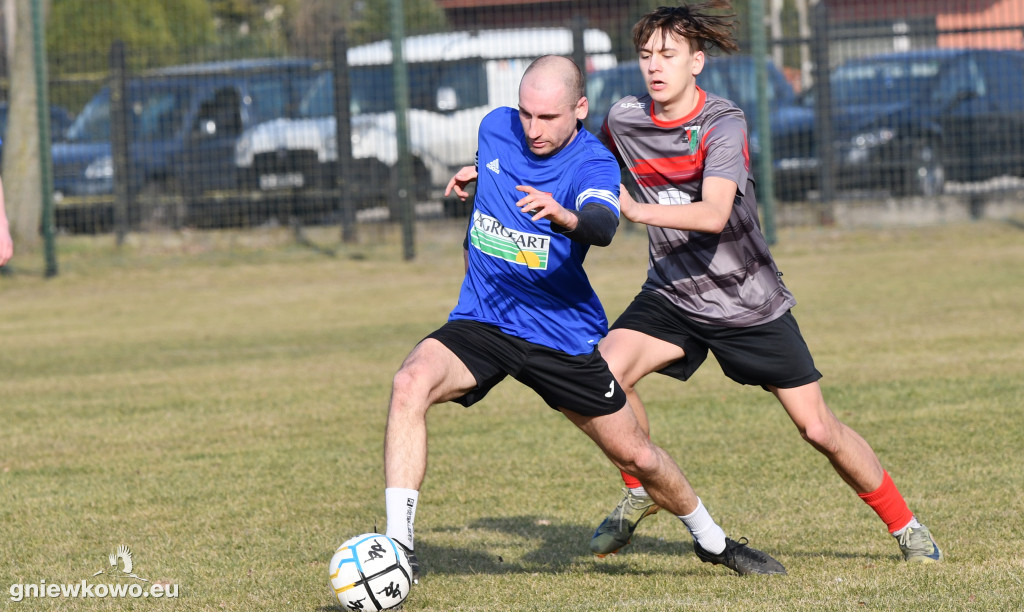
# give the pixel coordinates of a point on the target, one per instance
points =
(604, 195)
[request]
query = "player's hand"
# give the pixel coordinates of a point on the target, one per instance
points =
(628, 207)
(465, 176)
(541, 205)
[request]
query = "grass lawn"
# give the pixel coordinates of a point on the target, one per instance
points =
(216, 401)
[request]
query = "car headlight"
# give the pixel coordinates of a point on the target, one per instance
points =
(874, 138)
(860, 146)
(102, 168)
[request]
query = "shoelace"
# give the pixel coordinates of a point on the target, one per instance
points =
(904, 538)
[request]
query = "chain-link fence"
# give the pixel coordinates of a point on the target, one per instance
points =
(300, 112)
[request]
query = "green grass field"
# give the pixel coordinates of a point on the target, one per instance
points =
(217, 402)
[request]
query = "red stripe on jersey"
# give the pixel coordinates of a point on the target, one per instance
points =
(668, 170)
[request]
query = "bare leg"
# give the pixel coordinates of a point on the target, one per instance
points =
(850, 455)
(624, 442)
(431, 374)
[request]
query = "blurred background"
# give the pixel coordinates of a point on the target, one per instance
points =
(159, 115)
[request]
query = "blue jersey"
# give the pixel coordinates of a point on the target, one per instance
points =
(523, 277)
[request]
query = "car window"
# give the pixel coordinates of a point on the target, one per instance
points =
(883, 81)
(319, 100)
(157, 114)
(609, 86)
(433, 86)
(269, 99)
(1003, 80)
(961, 79)
(93, 123)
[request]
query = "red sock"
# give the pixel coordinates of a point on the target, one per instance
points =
(631, 482)
(890, 506)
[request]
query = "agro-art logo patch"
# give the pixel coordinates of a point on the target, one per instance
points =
(494, 239)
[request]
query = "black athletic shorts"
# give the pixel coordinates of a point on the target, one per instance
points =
(772, 354)
(580, 383)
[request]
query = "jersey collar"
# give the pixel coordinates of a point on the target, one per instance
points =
(702, 97)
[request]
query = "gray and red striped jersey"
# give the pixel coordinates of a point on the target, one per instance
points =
(727, 279)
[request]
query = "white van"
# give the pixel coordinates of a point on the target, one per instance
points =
(455, 78)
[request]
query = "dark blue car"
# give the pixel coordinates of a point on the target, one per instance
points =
(183, 123)
(907, 122)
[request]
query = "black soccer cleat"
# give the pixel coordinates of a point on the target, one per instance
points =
(414, 563)
(741, 558)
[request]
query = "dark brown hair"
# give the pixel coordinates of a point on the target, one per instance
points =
(695, 23)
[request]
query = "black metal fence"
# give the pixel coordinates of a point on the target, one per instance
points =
(865, 101)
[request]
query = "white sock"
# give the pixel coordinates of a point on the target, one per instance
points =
(401, 509)
(639, 492)
(912, 524)
(704, 529)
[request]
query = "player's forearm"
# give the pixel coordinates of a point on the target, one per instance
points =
(594, 224)
(696, 216)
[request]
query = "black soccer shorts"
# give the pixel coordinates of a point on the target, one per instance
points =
(771, 354)
(580, 383)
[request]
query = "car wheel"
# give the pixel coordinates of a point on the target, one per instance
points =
(925, 174)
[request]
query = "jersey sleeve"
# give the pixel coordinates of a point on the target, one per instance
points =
(727, 154)
(597, 182)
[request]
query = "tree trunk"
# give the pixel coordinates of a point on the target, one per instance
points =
(21, 172)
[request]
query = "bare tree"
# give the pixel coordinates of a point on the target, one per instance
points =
(21, 171)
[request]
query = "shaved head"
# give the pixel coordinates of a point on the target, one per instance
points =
(551, 104)
(554, 71)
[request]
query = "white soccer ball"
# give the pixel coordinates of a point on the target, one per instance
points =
(369, 572)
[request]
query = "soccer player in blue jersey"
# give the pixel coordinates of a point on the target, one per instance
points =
(546, 191)
(712, 284)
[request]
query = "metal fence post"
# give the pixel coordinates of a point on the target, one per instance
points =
(403, 167)
(823, 110)
(759, 49)
(45, 163)
(579, 49)
(119, 138)
(343, 171)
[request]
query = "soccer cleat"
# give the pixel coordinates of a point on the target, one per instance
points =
(616, 530)
(414, 563)
(918, 546)
(741, 558)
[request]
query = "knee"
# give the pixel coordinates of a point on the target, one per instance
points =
(641, 461)
(822, 434)
(407, 390)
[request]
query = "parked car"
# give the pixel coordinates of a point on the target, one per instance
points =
(183, 125)
(908, 122)
(60, 120)
(731, 76)
(455, 78)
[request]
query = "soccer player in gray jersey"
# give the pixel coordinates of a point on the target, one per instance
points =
(712, 284)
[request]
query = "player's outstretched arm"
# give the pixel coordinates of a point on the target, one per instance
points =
(465, 176)
(708, 215)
